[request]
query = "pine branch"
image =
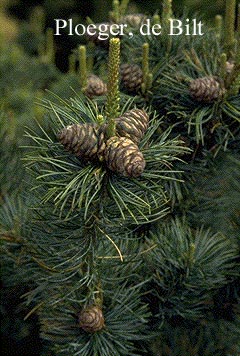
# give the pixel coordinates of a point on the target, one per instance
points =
(193, 338)
(72, 186)
(192, 112)
(216, 194)
(189, 266)
(124, 313)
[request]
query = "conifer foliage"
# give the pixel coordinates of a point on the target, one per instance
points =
(123, 220)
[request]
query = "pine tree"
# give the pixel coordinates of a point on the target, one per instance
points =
(123, 220)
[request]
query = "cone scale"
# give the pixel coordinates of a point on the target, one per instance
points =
(124, 157)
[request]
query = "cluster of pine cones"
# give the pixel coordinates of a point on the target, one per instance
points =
(131, 75)
(121, 154)
(205, 89)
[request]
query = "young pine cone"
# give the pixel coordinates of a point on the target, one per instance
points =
(86, 141)
(91, 319)
(131, 77)
(95, 86)
(207, 89)
(132, 124)
(123, 156)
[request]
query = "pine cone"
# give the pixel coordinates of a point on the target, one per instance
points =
(91, 319)
(131, 76)
(95, 86)
(86, 141)
(132, 124)
(123, 156)
(207, 89)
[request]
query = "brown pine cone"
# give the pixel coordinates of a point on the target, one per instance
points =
(124, 157)
(95, 86)
(86, 141)
(207, 89)
(91, 319)
(132, 124)
(131, 76)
